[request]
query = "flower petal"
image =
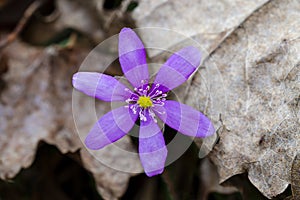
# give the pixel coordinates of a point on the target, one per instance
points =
(152, 148)
(185, 119)
(178, 68)
(100, 86)
(132, 57)
(110, 128)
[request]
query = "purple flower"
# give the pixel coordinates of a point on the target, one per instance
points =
(146, 102)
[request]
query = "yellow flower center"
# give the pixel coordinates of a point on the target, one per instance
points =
(144, 102)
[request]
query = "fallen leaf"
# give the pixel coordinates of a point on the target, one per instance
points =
(208, 22)
(83, 17)
(37, 105)
(209, 181)
(112, 183)
(252, 82)
(295, 177)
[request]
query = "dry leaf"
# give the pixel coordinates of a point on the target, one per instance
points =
(295, 176)
(209, 181)
(37, 105)
(252, 82)
(83, 17)
(112, 183)
(249, 86)
(208, 22)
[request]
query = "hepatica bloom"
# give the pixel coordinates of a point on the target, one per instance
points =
(145, 101)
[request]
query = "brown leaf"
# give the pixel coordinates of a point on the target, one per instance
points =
(37, 105)
(112, 183)
(252, 80)
(209, 181)
(208, 22)
(295, 178)
(83, 17)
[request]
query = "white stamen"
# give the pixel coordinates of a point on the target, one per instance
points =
(162, 113)
(158, 92)
(142, 116)
(145, 92)
(152, 114)
(133, 108)
(131, 99)
(158, 103)
(153, 90)
(132, 93)
(157, 97)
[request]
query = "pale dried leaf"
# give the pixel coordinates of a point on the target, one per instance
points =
(295, 177)
(83, 17)
(111, 183)
(252, 82)
(37, 105)
(208, 22)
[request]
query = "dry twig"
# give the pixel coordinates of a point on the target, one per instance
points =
(27, 14)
